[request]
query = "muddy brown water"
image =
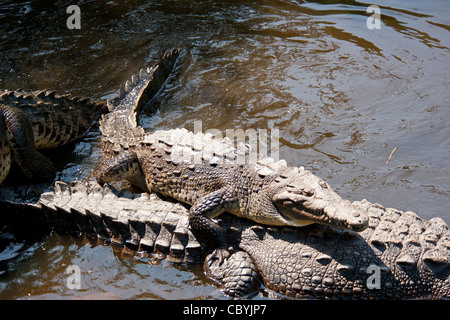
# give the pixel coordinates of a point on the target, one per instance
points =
(342, 95)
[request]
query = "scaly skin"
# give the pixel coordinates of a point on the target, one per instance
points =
(175, 163)
(411, 255)
(119, 128)
(266, 192)
(5, 150)
(34, 120)
(399, 256)
(141, 222)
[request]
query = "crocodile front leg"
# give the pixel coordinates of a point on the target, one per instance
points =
(209, 234)
(123, 167)
(128, 166)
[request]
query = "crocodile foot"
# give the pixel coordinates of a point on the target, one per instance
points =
(237, 273)
(218, 256)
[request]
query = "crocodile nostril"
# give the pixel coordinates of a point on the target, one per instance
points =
(360, 226)
(323, 184)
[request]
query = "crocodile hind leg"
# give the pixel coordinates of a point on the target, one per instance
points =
(19, 135)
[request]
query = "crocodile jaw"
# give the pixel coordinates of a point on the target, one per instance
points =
(300, 212)
(305, 199)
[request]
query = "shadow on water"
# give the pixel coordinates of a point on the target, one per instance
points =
(342, 96)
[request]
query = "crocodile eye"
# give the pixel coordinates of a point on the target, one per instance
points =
(307, 193)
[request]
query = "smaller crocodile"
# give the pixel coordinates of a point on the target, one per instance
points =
(34, 120)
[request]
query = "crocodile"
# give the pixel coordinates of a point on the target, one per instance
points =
(286, 260)
(399, 255)
(211, 175)
(35, 120)
(266, 192)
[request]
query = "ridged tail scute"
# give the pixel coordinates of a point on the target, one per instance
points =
(140, 222)
(120, 124)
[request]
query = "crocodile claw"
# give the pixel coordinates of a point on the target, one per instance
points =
(218, 256)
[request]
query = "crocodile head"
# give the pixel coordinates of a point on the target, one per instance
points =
(302, 198)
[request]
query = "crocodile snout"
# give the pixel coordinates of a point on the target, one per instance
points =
(343, 214)
(360, 223)
(356, 220)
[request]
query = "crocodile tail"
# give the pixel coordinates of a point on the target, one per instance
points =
(135, 94)
(141, 88)
(65, 119)
(99, 108)
(19, 129)
(140, 222)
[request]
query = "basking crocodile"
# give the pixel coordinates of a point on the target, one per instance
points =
(398, 256)
(211, 175)
(34, 120)
(320, 261)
